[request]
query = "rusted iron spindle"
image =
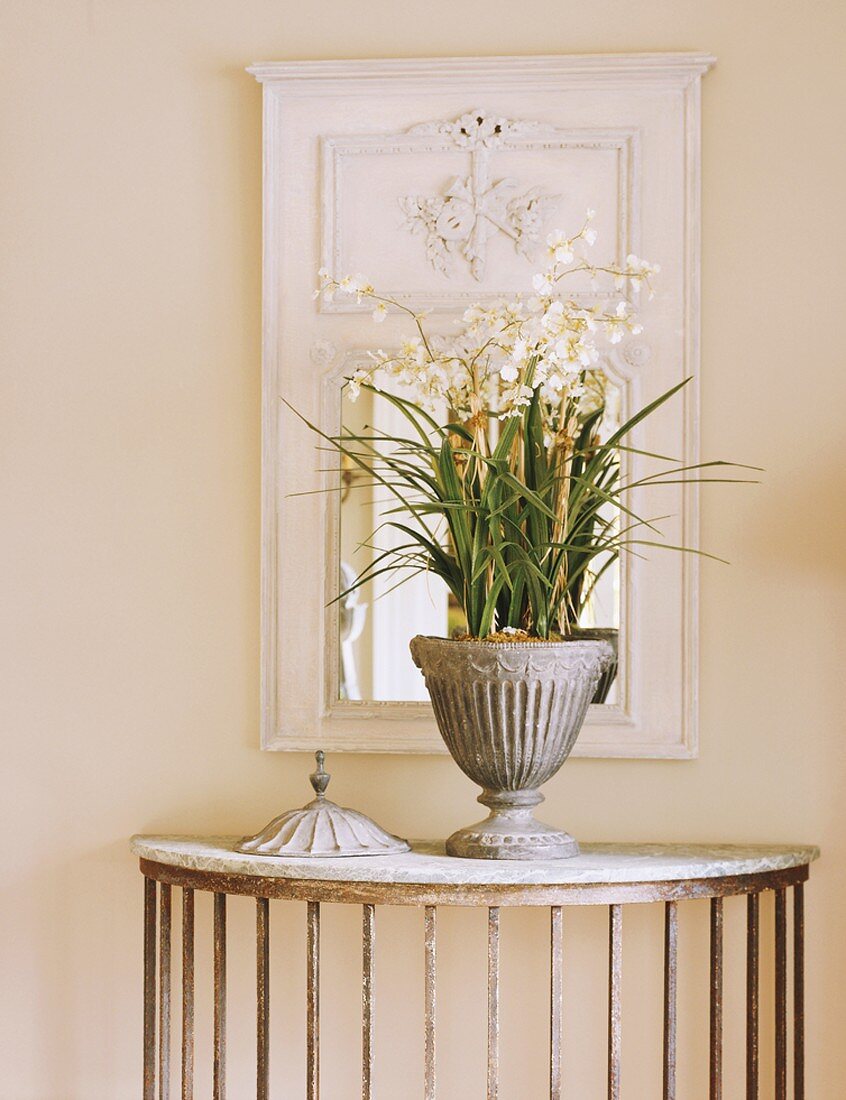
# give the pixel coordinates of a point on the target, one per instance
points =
(615, 1010)
(671, 938)
(165, 910)
(799, 992)
(187, 994)
(493, 1003)
(368, 963)
(716, 1008)
(556, 1000)
(219, 1054)
(149, 989)
(753, 910)
(262, 999)
(781, 995)
(313, 1001)
(429, 997)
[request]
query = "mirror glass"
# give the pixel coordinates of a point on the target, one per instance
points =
(378, 619)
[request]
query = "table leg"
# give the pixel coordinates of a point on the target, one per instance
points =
(149, 989)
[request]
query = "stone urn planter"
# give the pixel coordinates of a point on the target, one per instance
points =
(510, 713)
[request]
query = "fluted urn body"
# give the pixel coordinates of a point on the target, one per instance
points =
(510, 713)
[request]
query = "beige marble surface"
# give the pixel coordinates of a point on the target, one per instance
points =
(427, 863)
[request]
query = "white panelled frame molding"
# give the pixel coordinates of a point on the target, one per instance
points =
(357, 154)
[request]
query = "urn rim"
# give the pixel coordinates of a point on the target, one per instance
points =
(536, 644)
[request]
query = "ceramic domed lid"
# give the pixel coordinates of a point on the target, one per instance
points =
(322, 828)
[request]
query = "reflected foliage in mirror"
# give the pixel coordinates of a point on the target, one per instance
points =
(378, 619)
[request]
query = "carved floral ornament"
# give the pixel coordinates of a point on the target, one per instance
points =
(474, 208)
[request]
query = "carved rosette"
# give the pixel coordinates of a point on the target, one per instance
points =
(637, 353)
(323, 353)
(510, 714)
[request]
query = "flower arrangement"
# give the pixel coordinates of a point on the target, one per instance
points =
(509, 483)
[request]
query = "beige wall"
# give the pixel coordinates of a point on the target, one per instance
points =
(129, 326)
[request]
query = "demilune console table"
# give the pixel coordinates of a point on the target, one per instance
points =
(611, 875)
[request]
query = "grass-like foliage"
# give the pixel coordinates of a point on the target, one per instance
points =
(520, 535)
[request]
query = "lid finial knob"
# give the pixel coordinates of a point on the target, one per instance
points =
(319, 778)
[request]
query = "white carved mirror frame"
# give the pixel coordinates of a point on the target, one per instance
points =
(343, 143)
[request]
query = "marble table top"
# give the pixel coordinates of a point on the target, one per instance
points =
(427, 863)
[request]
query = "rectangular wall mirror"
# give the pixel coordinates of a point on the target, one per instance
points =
(388, 168)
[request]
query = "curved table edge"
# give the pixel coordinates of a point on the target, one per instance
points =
(467, 894)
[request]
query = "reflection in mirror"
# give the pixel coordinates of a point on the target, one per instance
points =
(378, 619)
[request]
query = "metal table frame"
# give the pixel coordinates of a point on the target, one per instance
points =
(160, 878)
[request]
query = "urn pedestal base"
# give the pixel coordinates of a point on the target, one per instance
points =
(511, 831)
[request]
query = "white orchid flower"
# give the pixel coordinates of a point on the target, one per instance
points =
(484, 364)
